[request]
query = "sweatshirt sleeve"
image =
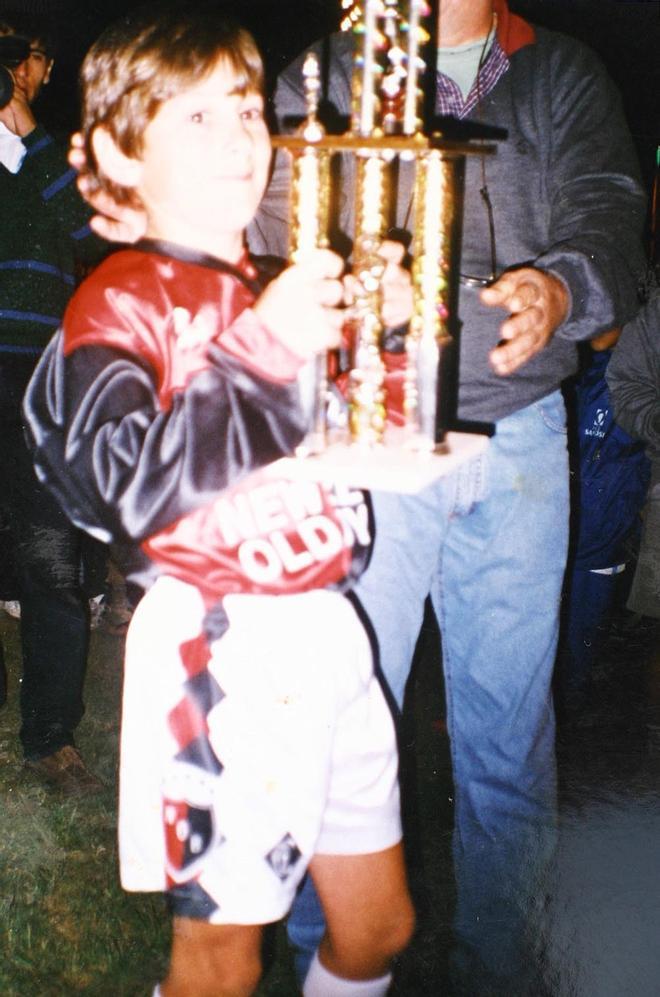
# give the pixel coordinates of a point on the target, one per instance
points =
(633, 375)
(596, 200)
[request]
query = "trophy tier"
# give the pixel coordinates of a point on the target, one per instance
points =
(398, 145)
(389, 467)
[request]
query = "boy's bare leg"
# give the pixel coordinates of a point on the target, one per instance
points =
(210, 960)
(368, 910)
(369, 917)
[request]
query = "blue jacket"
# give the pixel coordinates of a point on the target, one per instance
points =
(613, 474)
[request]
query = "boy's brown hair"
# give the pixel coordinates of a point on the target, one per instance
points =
(147, 57)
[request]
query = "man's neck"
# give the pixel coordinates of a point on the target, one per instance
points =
(463, 21)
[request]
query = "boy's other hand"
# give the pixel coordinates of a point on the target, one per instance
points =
(113, 222)
(301, 308)
(396, 286)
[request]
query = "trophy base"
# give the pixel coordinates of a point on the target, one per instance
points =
(394, 466)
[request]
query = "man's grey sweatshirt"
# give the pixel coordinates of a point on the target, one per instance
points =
(566, 198)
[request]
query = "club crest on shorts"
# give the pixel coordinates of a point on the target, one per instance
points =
(189, 834)
(188, 822)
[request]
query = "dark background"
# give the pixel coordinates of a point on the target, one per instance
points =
(625, 34)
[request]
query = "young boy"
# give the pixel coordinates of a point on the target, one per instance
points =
(255, 739)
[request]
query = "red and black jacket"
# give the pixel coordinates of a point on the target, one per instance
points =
(154, 416)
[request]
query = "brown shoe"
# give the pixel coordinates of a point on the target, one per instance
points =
(65, 770)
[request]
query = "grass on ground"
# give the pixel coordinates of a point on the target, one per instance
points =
(66, 926)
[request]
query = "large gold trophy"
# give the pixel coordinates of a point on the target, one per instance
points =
(386, 126)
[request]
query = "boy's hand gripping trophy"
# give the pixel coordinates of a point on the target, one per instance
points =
(385, 124)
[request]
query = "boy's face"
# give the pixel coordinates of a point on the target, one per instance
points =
(204, 165)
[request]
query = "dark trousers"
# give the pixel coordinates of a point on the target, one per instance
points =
(586, 617)
(46, 566)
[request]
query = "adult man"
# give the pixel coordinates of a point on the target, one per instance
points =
(44, 238)
(559, 210)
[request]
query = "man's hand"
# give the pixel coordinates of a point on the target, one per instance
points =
(299, 306)
(112, 221)
(537, 302)
(606, 340)
(17, 116)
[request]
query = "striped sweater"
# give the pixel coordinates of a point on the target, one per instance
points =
(45, 243)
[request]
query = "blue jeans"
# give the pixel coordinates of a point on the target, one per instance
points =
(489, 544)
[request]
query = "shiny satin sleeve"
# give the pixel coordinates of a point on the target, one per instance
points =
(122, 466)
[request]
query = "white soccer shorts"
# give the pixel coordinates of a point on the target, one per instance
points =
(243, 757)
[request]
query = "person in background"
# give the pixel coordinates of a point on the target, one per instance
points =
(610, 476)
(45, 242)
(633, 377)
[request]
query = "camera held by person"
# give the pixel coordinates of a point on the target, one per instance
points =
(13, 51)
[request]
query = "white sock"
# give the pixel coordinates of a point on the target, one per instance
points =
(320, 982)
(157, 992)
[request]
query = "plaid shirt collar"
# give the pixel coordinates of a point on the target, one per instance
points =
(449, 99)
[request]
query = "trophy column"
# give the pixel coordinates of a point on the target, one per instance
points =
(309, 214)
(430, 386)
